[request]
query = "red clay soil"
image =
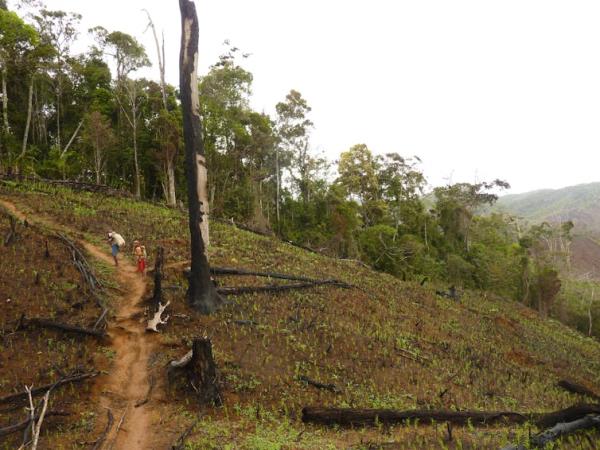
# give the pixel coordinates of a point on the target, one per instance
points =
(128, 380)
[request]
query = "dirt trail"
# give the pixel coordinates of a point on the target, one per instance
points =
(129, 379)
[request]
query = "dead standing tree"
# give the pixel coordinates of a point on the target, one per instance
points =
(202, 294)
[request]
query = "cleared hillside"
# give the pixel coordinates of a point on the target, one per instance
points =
(383, 343)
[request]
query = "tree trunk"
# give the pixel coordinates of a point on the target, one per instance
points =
(278, 176)
(202, 372)
(137, 183)
(170, 172)
(590, 318)
(202, 294)
(350, 416)
(66, 149)
(5, 101)
(543, 439)
(97, 160)
(170, 194)
(161, 59)
(58, 99)
(157, 294)
(28, 122)
(5, 126)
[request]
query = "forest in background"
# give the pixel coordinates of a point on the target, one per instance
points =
(69, 116)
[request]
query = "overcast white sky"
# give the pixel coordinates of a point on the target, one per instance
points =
(478, 89)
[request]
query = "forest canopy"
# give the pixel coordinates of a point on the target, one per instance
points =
(88, 117)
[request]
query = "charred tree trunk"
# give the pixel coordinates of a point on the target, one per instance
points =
(576, 388)
(349, 416)
(202, 373)
(68, 328)
(364, 417)
(157, 295)
(202, 294)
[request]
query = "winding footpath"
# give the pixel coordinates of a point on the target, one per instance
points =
(128, 381)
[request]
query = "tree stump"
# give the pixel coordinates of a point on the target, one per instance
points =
(202, 373)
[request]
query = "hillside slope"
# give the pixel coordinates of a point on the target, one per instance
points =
(580, 203)
(383, 343)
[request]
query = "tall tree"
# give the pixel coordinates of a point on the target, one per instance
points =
(358, 174)
(202, 293)
(456, 204)
(129, 55)
(293, 127)
(168, 136)
(17, 40)
(99, 137)
(58, 29)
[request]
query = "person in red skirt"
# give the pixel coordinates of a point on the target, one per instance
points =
(139, 251)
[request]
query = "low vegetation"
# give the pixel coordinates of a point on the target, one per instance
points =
(415, 350)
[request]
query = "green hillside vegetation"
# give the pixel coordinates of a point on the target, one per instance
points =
(383, 343)
(575, 304)
(580, 204)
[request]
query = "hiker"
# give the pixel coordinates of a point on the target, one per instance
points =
(116, 241)
(139, 251)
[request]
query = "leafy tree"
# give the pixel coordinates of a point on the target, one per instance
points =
(17, 40)
(129, 55)
(456, 205)
(98, 135)
(58, 29)
(358, 175)
(402, 185)
(293, 128)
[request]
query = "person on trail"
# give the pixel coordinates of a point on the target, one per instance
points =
(116, 242)
(139, 251)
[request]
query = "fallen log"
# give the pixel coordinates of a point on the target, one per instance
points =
(576, 388)
(109, 423)
(351, 416)
(42, 389)
(559, 430)
(72, 184)
(81, 263)
(327, 386)
(25, 423)
(180, 443)
(354, 416)
(278, 288)
(47, 323)
(181, 362)
(563, 429)
(101, 319)
(565, 415)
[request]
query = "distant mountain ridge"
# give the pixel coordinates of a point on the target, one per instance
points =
(580, 203)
